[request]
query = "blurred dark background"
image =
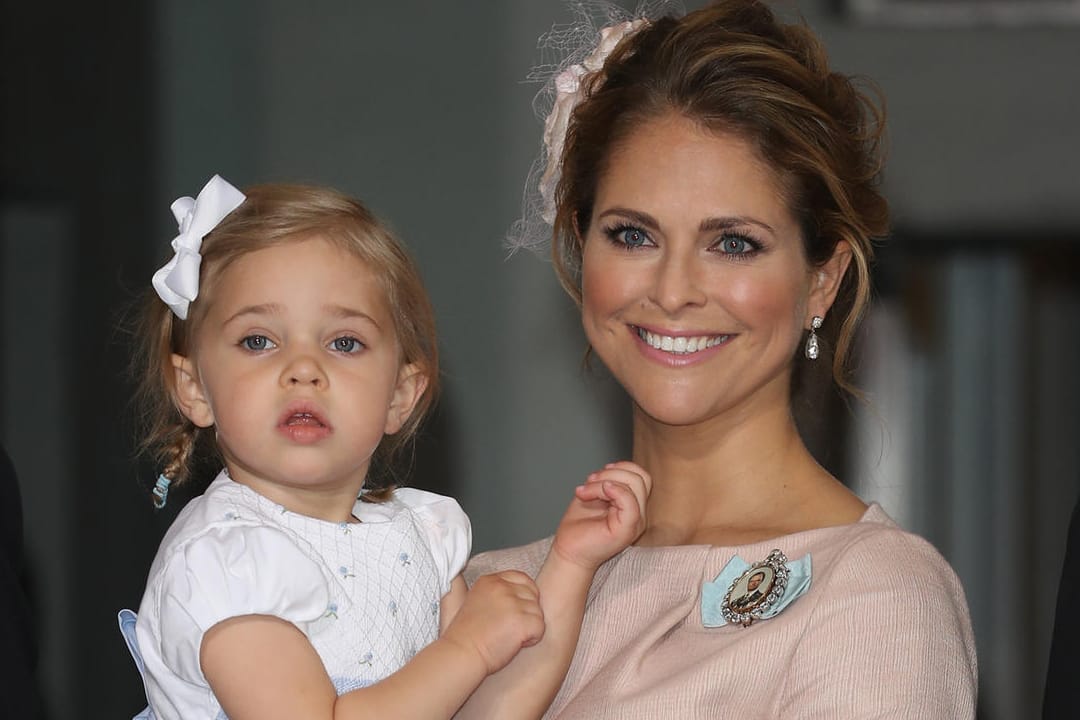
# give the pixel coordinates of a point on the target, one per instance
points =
(110, 111)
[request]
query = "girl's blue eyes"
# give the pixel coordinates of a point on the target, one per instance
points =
(256, 343)
(346, 344)
(343, 344)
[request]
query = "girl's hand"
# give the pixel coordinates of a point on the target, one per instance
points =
(501, 614)
(606, 514)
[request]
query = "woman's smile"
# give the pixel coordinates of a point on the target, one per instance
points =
(676, 348)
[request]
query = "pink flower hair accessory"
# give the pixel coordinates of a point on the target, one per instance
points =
(571, 56)
(567, 97)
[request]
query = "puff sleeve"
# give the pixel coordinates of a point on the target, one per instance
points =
(228, 572)
(446, 528)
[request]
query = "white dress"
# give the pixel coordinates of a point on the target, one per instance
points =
(365, 594)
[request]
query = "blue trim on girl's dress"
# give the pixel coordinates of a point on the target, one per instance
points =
(127, 620)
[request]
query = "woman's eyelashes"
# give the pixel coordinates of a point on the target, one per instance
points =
(736, 244)
(739, 246)
(627, 236)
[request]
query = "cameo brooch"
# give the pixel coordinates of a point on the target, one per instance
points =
(755, 591)
(743, 592)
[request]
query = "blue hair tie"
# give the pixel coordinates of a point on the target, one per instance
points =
(161, 491)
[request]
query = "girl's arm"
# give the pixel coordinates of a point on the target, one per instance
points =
(452, 602)
(606, 515)
(263, 668)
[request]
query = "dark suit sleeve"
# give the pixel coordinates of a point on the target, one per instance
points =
(1062, 696)
(18, 690)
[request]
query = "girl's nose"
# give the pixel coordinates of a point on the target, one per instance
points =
(303, 369)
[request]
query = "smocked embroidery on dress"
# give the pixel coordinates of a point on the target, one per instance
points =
(381, 582)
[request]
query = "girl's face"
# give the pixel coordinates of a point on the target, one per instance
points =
(695, 287)
(297, 366)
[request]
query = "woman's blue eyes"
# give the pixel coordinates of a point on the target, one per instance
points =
(729, 243)
(259, 343)
(735, 245)
(256, 343)
(631, 237)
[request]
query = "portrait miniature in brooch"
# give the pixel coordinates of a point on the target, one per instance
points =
(755, 591)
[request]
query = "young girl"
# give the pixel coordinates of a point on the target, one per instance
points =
(291, 336)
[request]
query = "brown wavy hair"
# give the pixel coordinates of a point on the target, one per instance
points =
(734, 68)
(273, 215)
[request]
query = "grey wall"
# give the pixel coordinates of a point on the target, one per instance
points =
(420, 110)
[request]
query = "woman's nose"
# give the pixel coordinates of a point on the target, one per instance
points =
(677, 281)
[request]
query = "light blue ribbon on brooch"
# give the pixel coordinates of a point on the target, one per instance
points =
(712, 593)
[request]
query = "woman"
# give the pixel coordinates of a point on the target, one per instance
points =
(713, 208)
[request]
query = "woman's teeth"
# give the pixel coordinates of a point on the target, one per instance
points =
(681, 345)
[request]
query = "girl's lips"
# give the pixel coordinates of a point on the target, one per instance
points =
(304, 424)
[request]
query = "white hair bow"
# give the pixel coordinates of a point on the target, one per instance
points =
(177, 282)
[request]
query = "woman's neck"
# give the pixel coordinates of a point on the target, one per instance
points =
(732, 482)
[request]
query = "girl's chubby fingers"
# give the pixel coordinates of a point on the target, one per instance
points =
(519, 585)
(621, 501)
(613, 491)
(632, 476)
(594, 488)
(516, 577)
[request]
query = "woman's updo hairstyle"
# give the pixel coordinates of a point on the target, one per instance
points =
(735, 69)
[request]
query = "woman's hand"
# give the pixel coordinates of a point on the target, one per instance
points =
(606, 515)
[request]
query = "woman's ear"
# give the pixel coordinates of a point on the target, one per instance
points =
(188, 392)
(411, 383)
(825, 281)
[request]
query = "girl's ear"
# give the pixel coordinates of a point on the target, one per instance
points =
(411, 383)
(825, 281)
(188, 393)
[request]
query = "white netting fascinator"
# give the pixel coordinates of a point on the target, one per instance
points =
(569, 54)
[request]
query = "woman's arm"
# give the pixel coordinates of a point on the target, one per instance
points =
(263, 668)
(890, 638)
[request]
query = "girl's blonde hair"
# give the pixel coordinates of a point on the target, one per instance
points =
(273, 215)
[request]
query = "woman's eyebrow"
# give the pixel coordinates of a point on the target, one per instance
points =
(713, 224)
(717, 224)
(646, 220)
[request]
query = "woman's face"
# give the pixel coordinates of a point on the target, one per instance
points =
(695, 285)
